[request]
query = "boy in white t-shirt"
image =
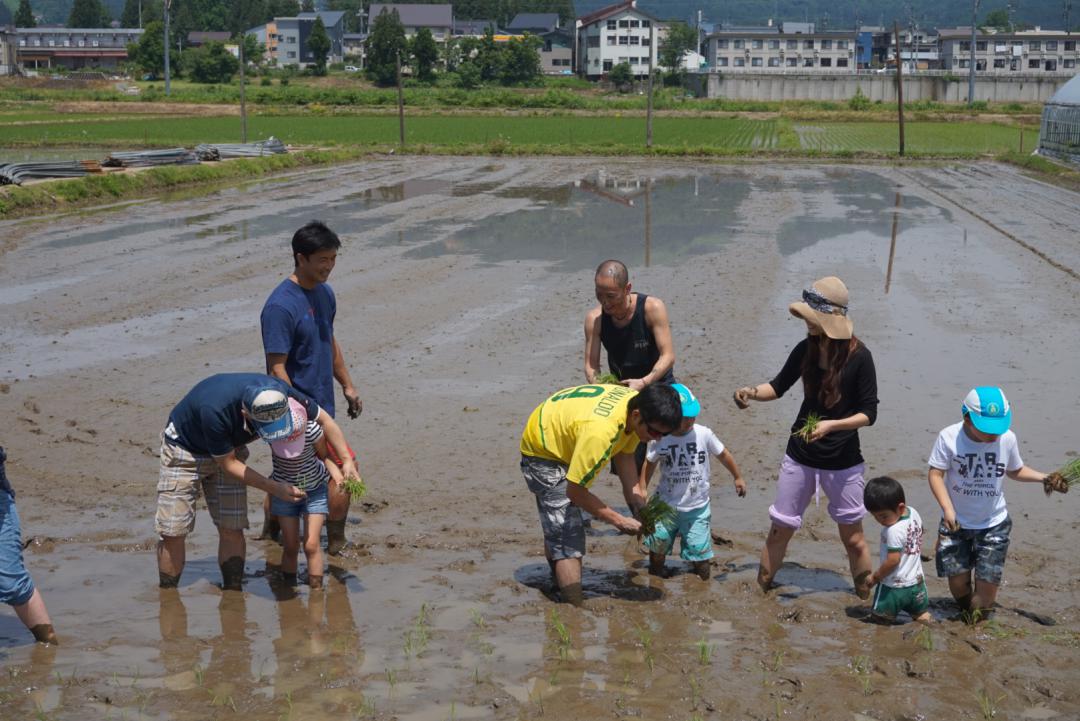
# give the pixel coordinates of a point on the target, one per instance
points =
(899, 578)
(968, 465)
(683, 457)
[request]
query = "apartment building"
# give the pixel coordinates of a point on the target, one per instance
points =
(439, 19)
(74, 48)
(557, 51)
(290, 39)
(1028, 51)
(787, 46)
(619, 33)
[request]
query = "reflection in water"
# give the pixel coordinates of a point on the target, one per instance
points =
(892, 243)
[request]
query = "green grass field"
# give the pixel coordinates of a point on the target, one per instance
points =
(619, 135)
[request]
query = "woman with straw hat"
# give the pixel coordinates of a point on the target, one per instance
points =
(840, 389)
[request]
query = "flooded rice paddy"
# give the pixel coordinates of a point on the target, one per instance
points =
(461, 290)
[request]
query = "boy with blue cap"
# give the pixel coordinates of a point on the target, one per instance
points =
(968, 465)
(683, 457)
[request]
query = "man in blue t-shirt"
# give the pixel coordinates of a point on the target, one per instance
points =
(298, 339)
(203, 448)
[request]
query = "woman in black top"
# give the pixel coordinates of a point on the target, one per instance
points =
(840, 387)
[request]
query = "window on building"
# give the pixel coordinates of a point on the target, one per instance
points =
(756, 62)
(841, 44)
(774, 45)
(774, 62)
(826, 44)
(645, 42)
(292, 54)
(1034, 64)
(721, 62)
(1051, 65)
(624, 23)
(826, 62)
(1070, 45)
(980, 65)
(1035, 45)
(722, 43)
(1051, 45)
(792, 44)
(808, 44)
(624, 40)
(1069, 63)
(646, 23)
(980, 46)
(1014, 64)
(757, 43)
(607, 65)
(841, 62)
(634, 23)
(610, 40)
(624, 59)
(635, 40)
(965, 63)
(792, 62)
(999, 63)
(612, 24)
(740, 44)
(965, 46)
(593, 41)
(808, 62)
(740, 62)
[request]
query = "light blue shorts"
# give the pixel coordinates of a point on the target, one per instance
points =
(694, 528)
(316, 502)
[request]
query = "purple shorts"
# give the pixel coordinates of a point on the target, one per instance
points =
(797, 483)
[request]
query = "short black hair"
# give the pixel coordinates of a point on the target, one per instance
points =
(883, 494)
(616, 270)
(312, 238)
(658, 404)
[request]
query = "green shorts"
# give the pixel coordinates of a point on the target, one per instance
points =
(890, 601)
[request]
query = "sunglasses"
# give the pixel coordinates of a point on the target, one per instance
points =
(654, 430)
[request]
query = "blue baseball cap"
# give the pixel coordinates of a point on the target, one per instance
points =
(690, 405)
(268, 410)
(988, 409)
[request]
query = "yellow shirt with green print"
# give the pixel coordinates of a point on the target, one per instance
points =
(581, 427)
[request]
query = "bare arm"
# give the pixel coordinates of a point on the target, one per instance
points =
(592, 345)
(275, 366)
(336, 438)
(762, 392)
(1026, 474)
(656, 318)
(247, 475)
(332, 468)
(341, 374)
(630, 479)
(581, 497)
(941, 493)
(647, 471)
(852, 422)
(892, 560)
(728, 462)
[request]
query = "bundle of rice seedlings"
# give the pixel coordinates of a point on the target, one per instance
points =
(808, 426)
(608, 379)
(356, 488)
(655, 511)
(1063, 479)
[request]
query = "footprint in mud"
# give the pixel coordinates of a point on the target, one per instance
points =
(31, 406)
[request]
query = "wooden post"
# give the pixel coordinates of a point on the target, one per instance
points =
(168, 78)
(1021, 138)
(649, 89)
(892, 243)
(243, 103)
(400, 103)
(899, 85)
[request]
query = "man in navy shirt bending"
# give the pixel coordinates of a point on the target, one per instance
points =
(298, 339)
(204, 448)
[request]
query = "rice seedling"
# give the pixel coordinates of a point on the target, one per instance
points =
(925, 639)
(356, 488)
(705, 651)
(477, 618)
(198, 671)
(988, 705)
(608, 379)
(367, 707)
(645, 638)
(861, 667)
(562, 634)
(655, 511)
(416, 637)
(391, 680)
(695, 692)
(1063, 479)
(808, 427)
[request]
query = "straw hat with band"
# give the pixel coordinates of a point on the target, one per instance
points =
(826, 305)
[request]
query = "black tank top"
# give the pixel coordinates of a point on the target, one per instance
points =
(631, 351)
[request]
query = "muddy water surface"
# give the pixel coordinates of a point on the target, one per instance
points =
(461, 290)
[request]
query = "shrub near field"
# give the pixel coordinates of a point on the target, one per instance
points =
(535, 133)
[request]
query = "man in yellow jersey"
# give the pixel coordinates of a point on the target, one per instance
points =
(567, 441)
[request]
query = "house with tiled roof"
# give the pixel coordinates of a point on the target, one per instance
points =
(619, 33)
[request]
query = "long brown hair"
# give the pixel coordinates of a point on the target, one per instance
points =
(825, 384)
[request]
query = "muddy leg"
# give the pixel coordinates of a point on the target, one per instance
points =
(772, 555)
(338, 500)
(171, 554)
(656, 564)
(982, 602)
(703, 569)
(270, 530)
(568, 577)
(961, 590)
(36, 618)
(858, 556)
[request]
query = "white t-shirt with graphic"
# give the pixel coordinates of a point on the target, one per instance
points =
(975, 473)
(906, 537)
(684, 466)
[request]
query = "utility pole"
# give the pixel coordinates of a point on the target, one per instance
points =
(400, 101)
(166, 5)
(899, 85)
(649, 90)
(1066, 7)
(243, 104)
(971, 62)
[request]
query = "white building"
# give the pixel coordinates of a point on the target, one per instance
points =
(787, 46)
(1028, 51)
(619, 33)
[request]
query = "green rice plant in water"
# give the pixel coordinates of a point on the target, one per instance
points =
(562, 633)
(808, 427)
(356, 488)
(988, 705)
(655, 511)
(705, 652)
(608, 379)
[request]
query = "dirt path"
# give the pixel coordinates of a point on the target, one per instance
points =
(461, 290)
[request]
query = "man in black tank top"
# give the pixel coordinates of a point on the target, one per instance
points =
(632, 327)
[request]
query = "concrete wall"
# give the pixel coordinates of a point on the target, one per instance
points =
(842, 86)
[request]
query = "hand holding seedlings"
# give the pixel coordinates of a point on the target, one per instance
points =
(656, 511)
(1063, 479)
(608, 379)
(809, 430)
